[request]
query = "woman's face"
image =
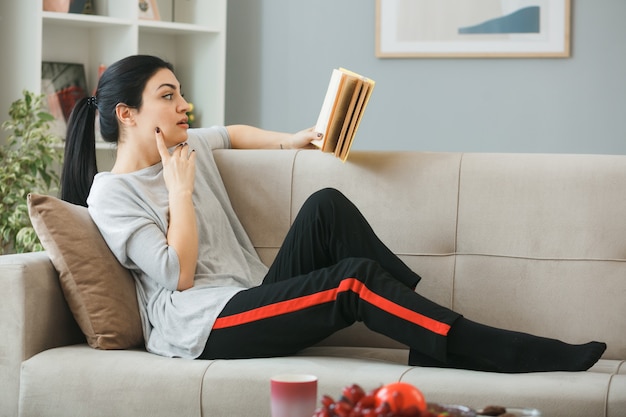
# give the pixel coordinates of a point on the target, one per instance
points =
(163, 106)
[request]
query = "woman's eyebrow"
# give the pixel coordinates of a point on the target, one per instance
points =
(172, 86)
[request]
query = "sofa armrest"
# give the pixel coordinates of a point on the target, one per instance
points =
(34, 316)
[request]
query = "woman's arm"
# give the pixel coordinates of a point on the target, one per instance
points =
(249, 137)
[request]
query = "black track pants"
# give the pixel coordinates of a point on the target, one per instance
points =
(331, 271)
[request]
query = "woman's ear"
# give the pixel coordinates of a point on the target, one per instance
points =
(125, 114)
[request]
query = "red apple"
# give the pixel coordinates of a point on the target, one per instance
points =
(401, 397)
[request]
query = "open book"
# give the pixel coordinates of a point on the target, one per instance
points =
(346, 98)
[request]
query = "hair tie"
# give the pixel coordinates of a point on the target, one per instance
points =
(92, 102)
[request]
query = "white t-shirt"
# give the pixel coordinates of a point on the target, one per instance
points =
(131, 211)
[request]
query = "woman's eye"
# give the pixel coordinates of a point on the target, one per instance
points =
(168, 96)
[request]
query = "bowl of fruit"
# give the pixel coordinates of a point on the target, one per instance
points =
(397, 399)
(401, 399)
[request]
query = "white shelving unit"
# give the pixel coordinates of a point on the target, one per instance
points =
(194, 41)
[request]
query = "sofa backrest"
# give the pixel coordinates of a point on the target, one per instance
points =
(529, 242)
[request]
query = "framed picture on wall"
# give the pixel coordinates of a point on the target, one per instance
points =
(148, 10)
(472, 28)
(63, 84)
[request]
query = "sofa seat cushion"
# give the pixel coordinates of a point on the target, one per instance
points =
(554, 393)
(134, 382)
(99, 290)
(81, 381)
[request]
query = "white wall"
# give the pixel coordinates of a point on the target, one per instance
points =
(280, 54)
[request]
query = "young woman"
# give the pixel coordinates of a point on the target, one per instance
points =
(204, 293)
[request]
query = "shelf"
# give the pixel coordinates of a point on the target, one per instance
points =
(174, 27)
(154, 26)
(100, 145)
(83, 20)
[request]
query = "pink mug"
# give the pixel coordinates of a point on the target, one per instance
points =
(293, 395)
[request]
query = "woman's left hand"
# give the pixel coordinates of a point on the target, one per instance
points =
(303, 139)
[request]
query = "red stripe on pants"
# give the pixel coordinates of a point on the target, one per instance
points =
(348, 284)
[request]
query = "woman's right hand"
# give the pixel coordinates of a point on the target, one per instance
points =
(179, 167)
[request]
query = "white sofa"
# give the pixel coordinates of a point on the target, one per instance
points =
(529, 242)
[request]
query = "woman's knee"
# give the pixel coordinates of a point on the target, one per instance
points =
(325, 195)
(329, 198)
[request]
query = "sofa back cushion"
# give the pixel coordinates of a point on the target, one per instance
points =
(99, 290)
(529, 242)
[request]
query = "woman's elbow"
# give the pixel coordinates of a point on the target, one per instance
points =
(185, 281)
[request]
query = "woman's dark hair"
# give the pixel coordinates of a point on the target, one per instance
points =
(122, 82)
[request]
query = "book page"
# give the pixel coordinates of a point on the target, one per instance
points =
(327, 106)
(338, 115)
(366, 93)
(351, 113)
(352, 122)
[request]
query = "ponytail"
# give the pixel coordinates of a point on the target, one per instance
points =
(79, 164)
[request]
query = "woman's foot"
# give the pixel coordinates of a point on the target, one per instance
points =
(511, 351)
(475, 346)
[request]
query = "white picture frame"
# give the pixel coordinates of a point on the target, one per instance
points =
(472, 28)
